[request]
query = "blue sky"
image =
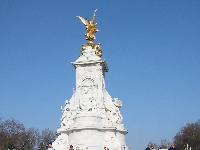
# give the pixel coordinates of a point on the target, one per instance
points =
(152, 49)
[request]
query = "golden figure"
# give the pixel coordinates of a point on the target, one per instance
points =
(90, 27)
(91, 30)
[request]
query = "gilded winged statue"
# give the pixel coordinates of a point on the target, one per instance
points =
(90, 27)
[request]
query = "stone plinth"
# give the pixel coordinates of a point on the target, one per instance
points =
(91, 118)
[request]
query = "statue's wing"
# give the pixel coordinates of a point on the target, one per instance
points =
(84, 21)
(93, 16)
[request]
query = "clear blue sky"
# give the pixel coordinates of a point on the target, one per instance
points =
(152, 49)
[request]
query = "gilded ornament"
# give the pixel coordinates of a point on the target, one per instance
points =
(90, 27)
(91, 30)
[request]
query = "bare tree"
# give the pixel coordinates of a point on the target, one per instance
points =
(155, 146)
(28, 139)
(164, 144)
(189, 134)
(46, 136)
(11, 131)
(14, 134)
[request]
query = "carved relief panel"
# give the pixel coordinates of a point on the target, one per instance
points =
(88, 97)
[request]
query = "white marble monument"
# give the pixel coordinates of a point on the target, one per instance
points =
(91, 118)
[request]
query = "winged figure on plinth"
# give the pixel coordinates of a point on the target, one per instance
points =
(90, 27)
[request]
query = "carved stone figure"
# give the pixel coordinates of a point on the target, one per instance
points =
(85, 100)
(116, 117)
(117, 102)
(66, 114)
(113, 110)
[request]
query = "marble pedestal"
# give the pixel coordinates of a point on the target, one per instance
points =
(91, 118)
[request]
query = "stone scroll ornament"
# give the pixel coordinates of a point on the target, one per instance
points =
(90, 31)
